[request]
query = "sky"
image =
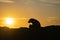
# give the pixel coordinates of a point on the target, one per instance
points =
(46, 11)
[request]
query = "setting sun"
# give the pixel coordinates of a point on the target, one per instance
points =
(9, 21)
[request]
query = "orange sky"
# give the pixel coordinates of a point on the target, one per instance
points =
(46, 11)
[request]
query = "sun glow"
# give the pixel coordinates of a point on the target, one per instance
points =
(9, 21)
(12, 22)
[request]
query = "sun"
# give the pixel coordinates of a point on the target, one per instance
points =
(9, 21)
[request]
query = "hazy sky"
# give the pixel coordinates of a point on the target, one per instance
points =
(46, 11)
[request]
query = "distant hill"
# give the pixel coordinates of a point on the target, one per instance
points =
(49, 33)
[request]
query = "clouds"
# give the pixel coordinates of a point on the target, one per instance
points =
(6, 1)
(51, 2)
(35, 2)
(53, 21)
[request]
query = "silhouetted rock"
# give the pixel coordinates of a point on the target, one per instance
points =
(35, 24)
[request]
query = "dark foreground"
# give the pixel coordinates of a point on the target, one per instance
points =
(34, 32)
